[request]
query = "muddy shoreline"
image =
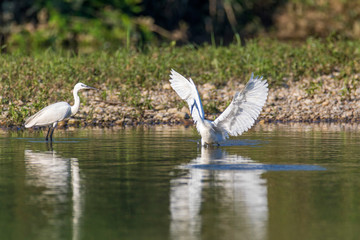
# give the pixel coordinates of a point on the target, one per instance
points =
(321, 100)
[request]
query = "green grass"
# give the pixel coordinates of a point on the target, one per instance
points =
(44, 78)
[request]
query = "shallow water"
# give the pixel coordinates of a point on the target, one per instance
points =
(156, 183)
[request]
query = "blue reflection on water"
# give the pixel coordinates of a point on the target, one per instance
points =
(243, 142)
(266, 167)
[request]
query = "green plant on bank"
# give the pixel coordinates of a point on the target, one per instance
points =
(90, 116)
(17, 114)
(29, 82)
(134, 97)
(311, 89)
(211, 107)
(349, 85)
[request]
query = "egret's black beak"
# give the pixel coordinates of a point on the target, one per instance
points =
(92, 88)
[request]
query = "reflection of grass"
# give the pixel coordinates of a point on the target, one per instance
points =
(28, 83)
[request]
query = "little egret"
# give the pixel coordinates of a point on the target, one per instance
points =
(237, 118)
(54, 113)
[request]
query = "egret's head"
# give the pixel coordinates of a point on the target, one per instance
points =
(80, 86)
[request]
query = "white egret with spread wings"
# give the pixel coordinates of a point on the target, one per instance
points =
(54, 113)
(237, 118)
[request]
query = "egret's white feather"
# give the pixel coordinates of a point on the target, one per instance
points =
(186, 89)
(245, 107)
(237, 118)
(53, 113)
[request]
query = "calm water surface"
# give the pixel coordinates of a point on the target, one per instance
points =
(156, 183)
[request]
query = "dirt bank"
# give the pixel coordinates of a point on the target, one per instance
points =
(325, 99)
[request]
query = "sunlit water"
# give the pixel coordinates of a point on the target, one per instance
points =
(156, 183)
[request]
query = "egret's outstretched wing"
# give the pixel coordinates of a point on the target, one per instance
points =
(186, 89)
(53, 113)
(241, 114)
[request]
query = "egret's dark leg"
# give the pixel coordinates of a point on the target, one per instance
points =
(52, 131)
(47, 135)
(51, 134)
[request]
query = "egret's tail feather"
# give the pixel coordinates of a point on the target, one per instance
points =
(29, 122)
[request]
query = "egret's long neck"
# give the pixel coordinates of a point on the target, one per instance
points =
(75, 107)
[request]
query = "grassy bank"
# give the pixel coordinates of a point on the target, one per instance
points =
(28, 83)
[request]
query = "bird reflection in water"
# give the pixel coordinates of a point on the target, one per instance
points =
(242, 200)
(55, 178)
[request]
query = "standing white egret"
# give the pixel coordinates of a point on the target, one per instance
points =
(54, 113)
(237, 118)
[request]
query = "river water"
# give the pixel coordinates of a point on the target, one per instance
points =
(273, 182)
